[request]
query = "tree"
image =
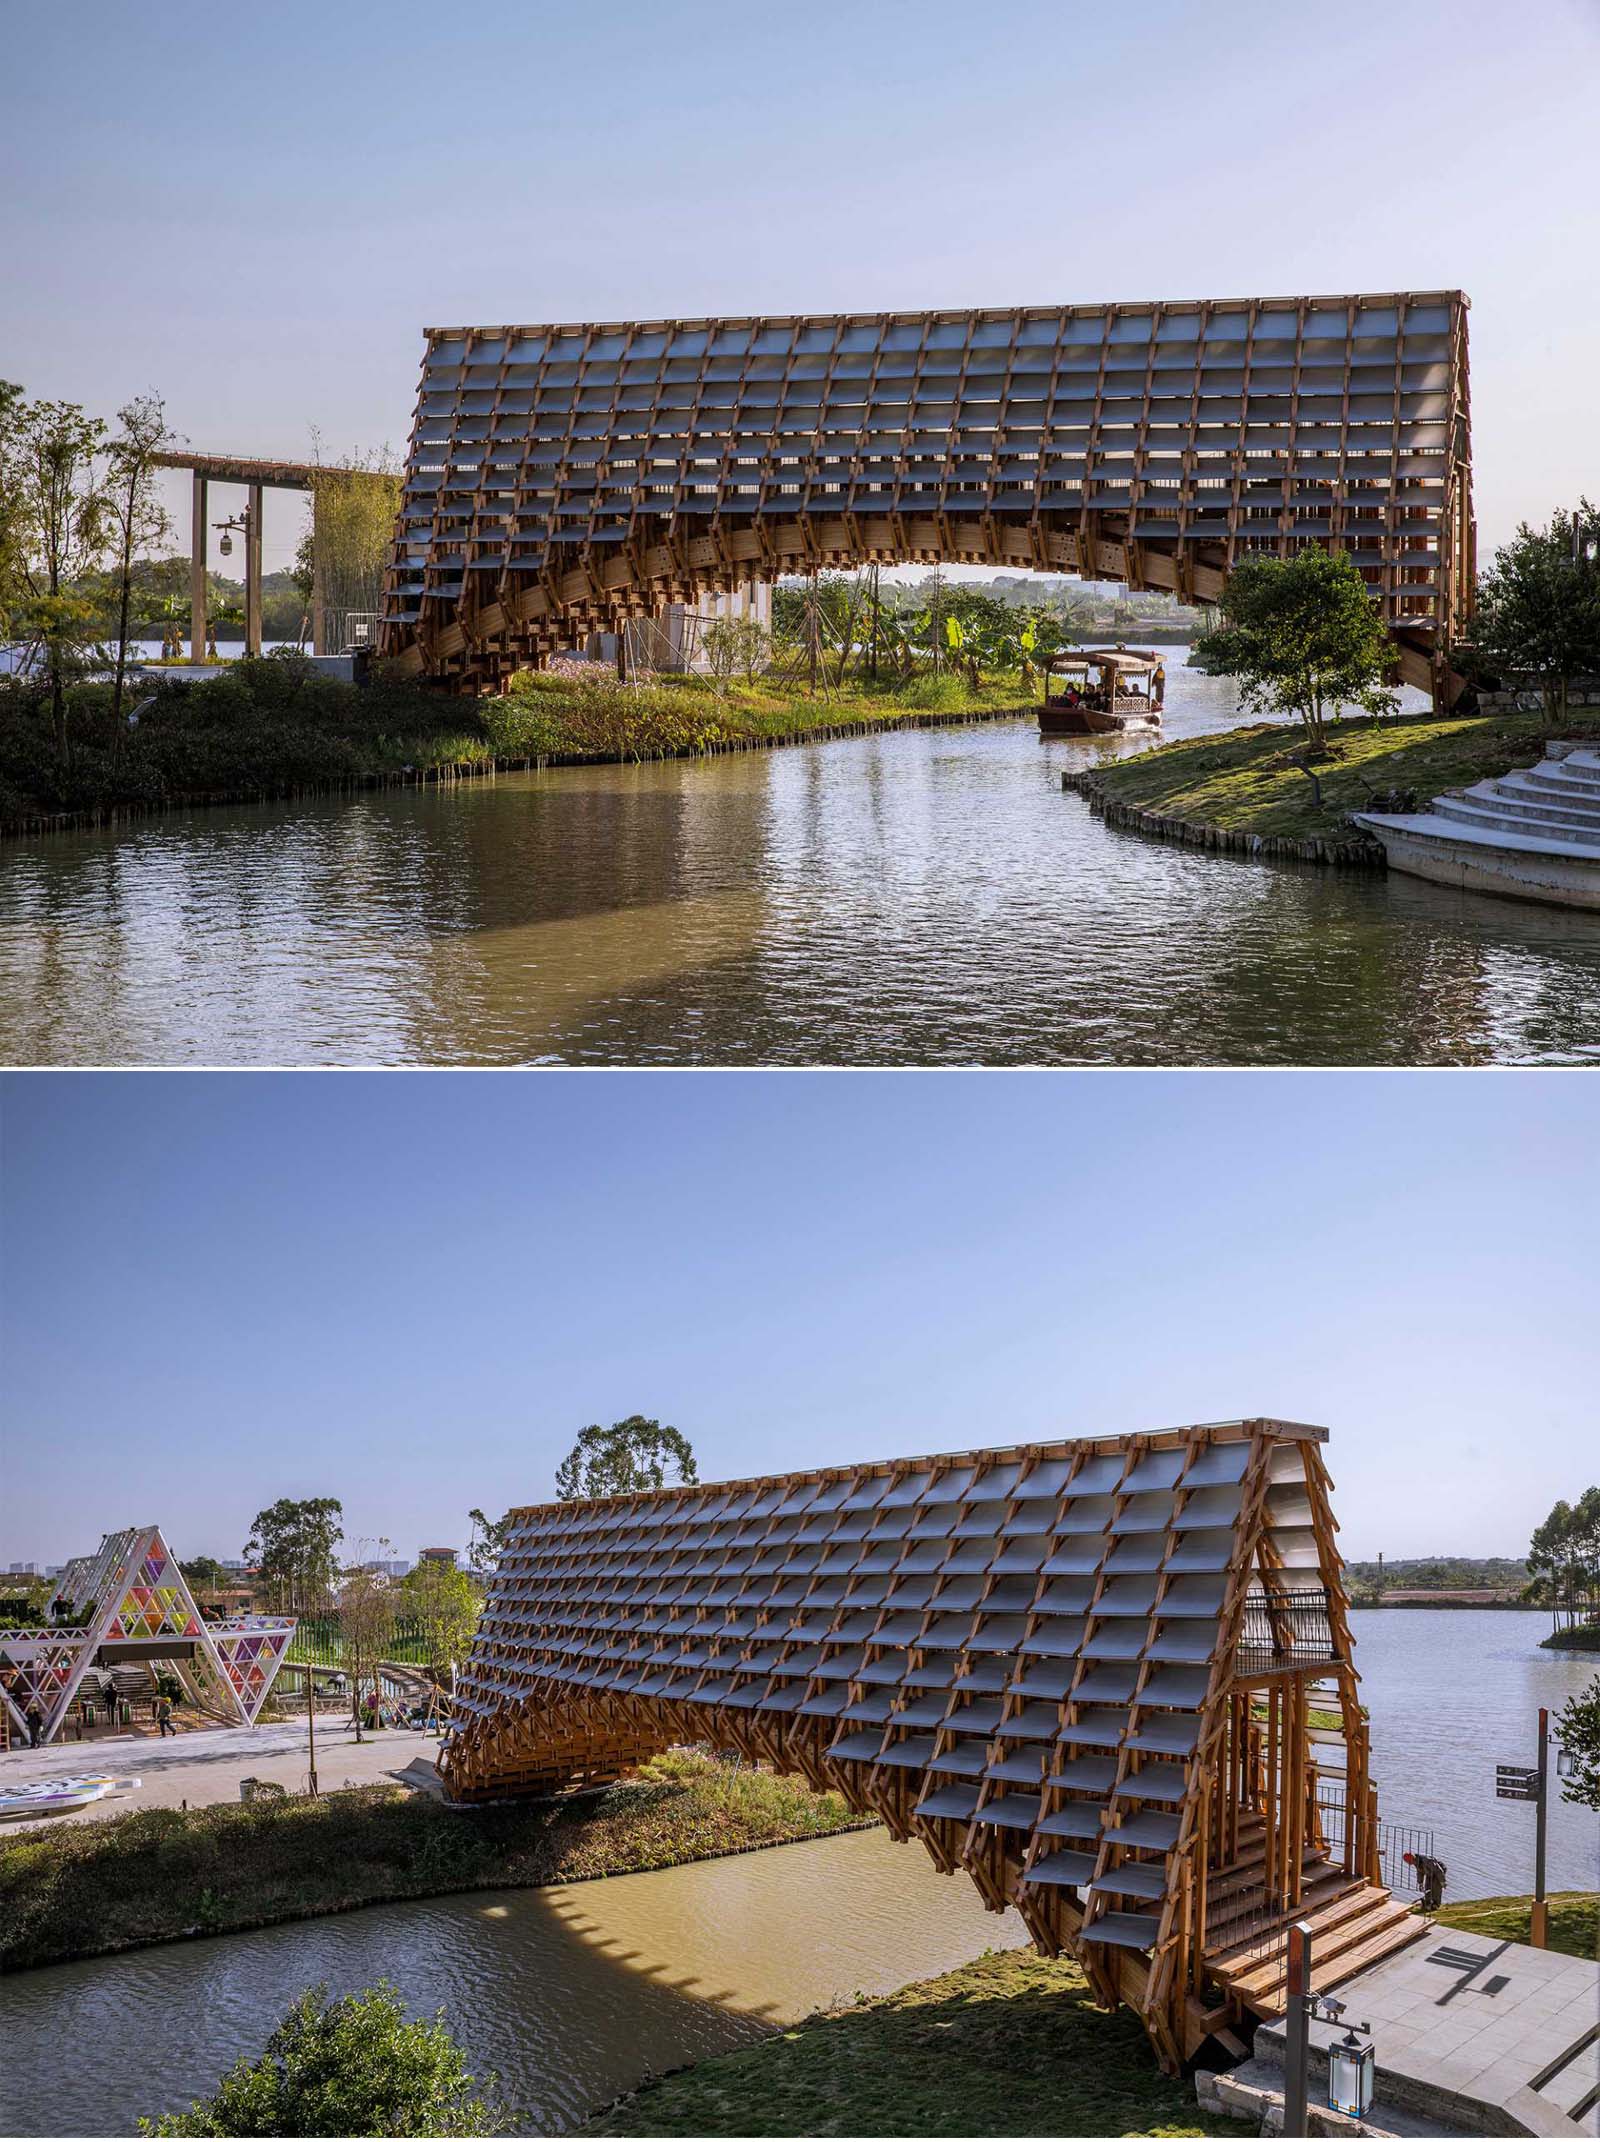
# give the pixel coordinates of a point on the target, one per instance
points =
(347, 546)
(138, 518)
(13, 582)
(488, 1542)
(369, 1607)
(204, 1573)
(736, 645)
(627, 1458)
(1301, 635)
(354, 2066)
(1578, 1731)
(60, 526)
(295, 1544)
(445, 1601)
(1564, 1558)
(1538, 612)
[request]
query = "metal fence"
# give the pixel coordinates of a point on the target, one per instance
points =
(1284, 1632)
(1401, 1849)
(319, 1641)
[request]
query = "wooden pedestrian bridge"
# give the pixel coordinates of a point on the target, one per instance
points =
(1110, 1681)
(565, 479)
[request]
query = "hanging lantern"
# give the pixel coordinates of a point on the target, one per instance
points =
(226, 545)
(1352, 2071)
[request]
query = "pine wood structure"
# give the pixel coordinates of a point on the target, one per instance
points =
(562, 480)
(1110, 1680)
(135, 1608)
(258, 477)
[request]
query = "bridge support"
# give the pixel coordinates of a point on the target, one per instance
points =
(199, 495)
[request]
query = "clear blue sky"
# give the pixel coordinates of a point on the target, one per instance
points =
(410, 1291)
(257, 211)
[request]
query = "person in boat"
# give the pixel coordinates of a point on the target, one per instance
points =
(1074, 696)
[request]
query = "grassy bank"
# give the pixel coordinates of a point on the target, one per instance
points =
(1245, 781)
(1009, 2045)
(274, 728)
(1584, 1637)
(1574, 1920)
(163, 1873)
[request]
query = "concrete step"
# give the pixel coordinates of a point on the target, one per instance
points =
(1486, 839)
(1559, 775)
(1549, 803)
(1474, 810)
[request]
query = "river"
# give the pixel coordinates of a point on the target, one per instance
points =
(572, 1995)
(928, 897)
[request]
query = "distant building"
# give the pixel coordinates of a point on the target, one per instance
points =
(452, 1555)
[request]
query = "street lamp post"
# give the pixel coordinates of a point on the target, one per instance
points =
(1352, 2063)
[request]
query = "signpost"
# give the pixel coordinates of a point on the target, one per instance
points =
(1530, 1781)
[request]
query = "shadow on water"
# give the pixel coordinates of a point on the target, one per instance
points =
(570, 1996)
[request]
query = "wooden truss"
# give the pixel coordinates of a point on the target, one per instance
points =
(1081, 1673)
(135, 1606)
(563, 480)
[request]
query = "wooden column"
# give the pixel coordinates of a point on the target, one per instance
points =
(197, 571)
(319, 580)
(252, 573)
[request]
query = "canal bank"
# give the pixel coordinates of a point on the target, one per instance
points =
(273, 730)
(173, 1873)
(1254, 792)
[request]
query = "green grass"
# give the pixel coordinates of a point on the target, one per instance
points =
(1245, 780)
(1574, 1920)
(162, 1873)
(1009, 2045)
(272, 728)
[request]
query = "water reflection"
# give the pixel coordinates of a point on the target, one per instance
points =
(570, 1996)
(930, 897)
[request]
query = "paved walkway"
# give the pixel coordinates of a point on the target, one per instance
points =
(1488, 2036)
(199, 1769)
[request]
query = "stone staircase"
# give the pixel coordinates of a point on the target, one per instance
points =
(1533, 835)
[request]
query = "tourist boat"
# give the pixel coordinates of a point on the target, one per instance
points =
(1100, 691)
(63, 1796)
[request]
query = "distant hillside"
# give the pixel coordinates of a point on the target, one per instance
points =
(1440, 1573)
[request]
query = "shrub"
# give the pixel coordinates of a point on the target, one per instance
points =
(934, 692)
(349, 2067)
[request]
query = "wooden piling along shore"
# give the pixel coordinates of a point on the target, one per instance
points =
(1355, 851)
(1084, 1674)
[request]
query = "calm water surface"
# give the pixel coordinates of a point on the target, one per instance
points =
(926, 898)
(571, 1996)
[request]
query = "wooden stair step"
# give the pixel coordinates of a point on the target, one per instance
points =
(1318, 1893)
(1399, 1933)
(1333, 1929)
(1362, 1941)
